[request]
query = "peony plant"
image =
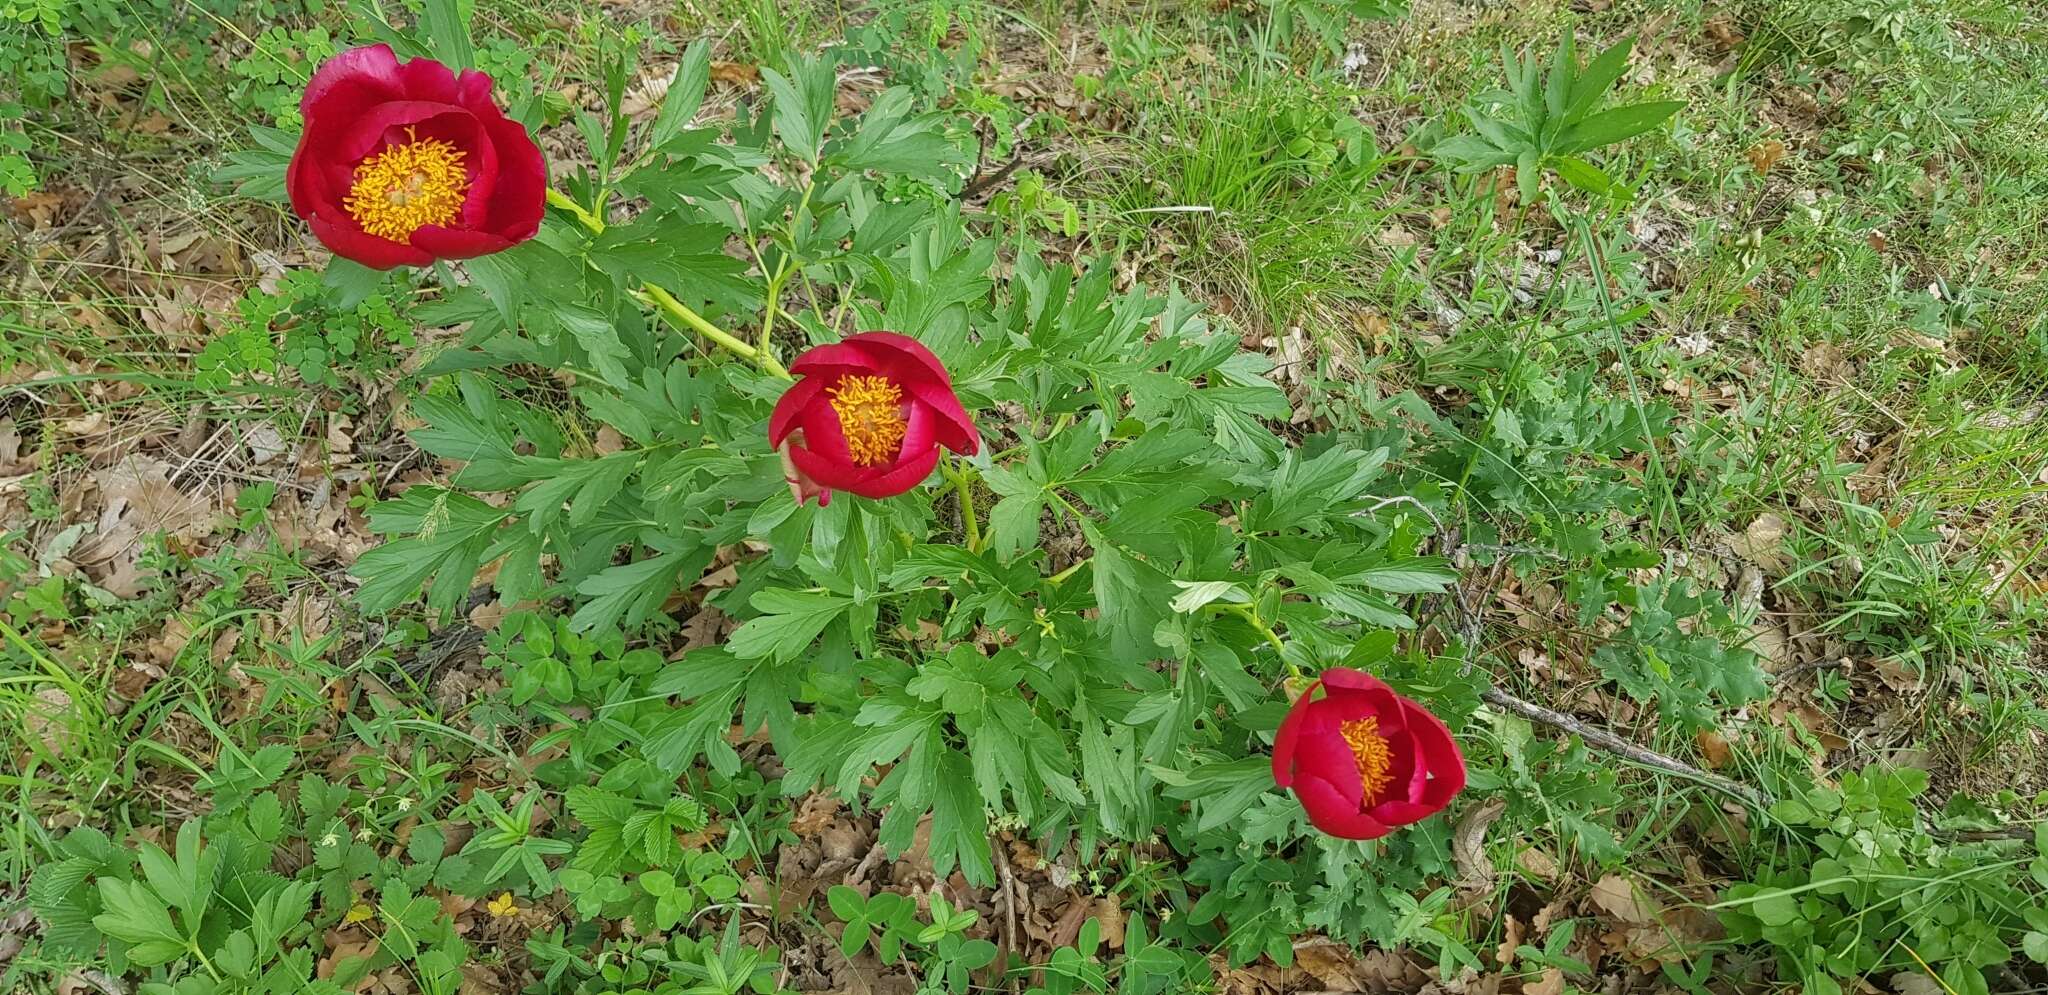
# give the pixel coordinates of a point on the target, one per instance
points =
(1130, 554)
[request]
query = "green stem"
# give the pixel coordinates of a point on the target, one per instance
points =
(1252, 619)
(783, 270)
(1061, 577)
(682, 315)
(557, 198)
(964, 480)
(659, 298)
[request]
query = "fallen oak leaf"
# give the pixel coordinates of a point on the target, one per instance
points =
(1468, 845)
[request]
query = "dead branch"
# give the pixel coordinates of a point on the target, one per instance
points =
(1612, 743)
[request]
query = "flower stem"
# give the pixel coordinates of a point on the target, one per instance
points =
(1061, 577)
(1252, 619)
(964, 480)
(557, 198)
(667, 303)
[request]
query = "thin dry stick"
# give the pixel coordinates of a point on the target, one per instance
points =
(1465, 616)
(1009, 910)
(1615, 744)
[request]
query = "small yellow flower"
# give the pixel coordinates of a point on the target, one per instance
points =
(359, 912)
(502, 906)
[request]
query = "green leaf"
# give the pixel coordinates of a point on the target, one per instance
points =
(789, 622)
(351, 282)
(134, 914)
(685, 93)
(447, 30)
(1223, 791)
(593, 330)
(803, 106)
(1588, 177)
(959, 825)
(65, 906)
(1195, 594)
(452, 533)
(1616, 125)
(846, 903)
(629, 593)
(503, 282)
(1775, 907)
(1599, 74)
(1420, 575)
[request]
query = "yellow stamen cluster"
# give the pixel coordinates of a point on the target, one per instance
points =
(406, 187)
(1373, 754)
(871, 416)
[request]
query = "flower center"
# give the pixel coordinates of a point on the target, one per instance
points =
(406, 187)
(1373, 754)
(871, 416)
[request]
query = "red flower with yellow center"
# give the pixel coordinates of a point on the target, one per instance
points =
(868, 416)
(1363, 759)
(403, 163)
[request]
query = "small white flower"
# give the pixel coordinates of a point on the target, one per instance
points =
(405, 804)
(329, 840)
(364, 834)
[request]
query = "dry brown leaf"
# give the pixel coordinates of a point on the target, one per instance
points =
(1897, 674)
(1331, 965)
(1468, 845)
(89, 423)
(1110, 913)
(1537, 863)
(814, 813)
(1714, 747)
(1764, 155)
(1511, 939)
(1339, 968)
(1763, 543)
(735, 73)
(1915, 983)
(45, 717)
(1551, 983)
(1826, 361)
(1618, 897)
(1772, 643)
(139, 500)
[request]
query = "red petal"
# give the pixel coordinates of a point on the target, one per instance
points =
(955, 428)
(825, 436)
(350, 83)
(831, 473)
(428, 79)
(458, 243)
(521, 198)
(820, 360)
(917, 433)
(350, 242)
(1323, 753)
(790, 407)
(385, 124)
(473, 91)
(802, 488)
(898, 478)
(890, 348)
(1330, 812)
(1436, 756)
(1289, 736)
(1347, 679)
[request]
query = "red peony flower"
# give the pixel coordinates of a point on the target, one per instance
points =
(868, 416)
(405, 163)
(1363, 759)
